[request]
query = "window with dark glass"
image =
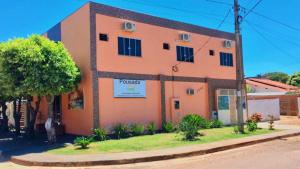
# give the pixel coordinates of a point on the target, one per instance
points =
(226, 59)
(166, 46)
(185, 54)
(103, 37)
(129, 47)
(211, 52)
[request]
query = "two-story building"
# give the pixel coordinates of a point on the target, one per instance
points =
(138, 68)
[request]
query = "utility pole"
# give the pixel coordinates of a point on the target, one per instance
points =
(239, 68)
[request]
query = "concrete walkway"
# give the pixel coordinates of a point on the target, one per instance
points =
(45, 159)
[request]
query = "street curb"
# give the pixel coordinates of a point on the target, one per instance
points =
(24, 162)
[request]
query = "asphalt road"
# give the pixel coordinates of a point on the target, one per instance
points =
(278, 154)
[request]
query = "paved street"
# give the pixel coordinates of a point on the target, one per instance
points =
(278, 154)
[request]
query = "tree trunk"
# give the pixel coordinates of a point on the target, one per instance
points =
(5, 118)
(33, 114)
(51, 130)
(17, 115)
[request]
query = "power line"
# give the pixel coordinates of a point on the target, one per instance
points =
(208, 39)
(257, 3)
(276, 21)
(220, 2)
(176, 9)
(273, 34)
(271, 42)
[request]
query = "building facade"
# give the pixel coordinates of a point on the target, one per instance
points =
(138, 68)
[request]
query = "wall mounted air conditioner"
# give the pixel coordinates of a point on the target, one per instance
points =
(129, 26)
(190, 91)
(227, 43)
(185, 37)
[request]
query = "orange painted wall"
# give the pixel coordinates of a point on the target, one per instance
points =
(197, 103)
(75, 34)
(154, 59)
(129, 110)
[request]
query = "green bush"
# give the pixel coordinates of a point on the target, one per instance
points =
(236, 129)
(151, 128)
(137, 129)
(83, 142)
(216, 124)
(168, 127)
(99, 134)
(251, 125)
(204, 124)
(189, 126)
(121, 131)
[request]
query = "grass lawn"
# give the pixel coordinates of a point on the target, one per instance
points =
(157, 141)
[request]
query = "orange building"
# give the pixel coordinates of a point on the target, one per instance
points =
(139, 68)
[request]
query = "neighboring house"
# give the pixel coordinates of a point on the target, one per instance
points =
(264, 89)
(259, 85)
(128, 63)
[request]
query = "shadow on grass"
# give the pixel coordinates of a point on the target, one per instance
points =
(12, 145)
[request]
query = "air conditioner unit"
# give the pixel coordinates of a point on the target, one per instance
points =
(190, 91)
(185, 37)
(129, 26)
(227, 44)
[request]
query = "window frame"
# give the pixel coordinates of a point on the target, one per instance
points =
(182, 51)
(226, 59)
(134, 47)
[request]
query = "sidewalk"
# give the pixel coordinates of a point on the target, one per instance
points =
(45, 159)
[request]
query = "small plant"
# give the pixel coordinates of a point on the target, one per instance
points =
(137, 129)
(251, 125)
(121, 131)
(256, 117)
(271, 122)
(151, 128)
(83, 142)
(189, 126)
(99, 134)
(236, 129)
(216, 124)
(168, 127)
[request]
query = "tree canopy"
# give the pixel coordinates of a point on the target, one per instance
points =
(37, 66)
(277, 76)
(294, 80)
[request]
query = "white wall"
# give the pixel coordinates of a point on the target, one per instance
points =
(265, 107)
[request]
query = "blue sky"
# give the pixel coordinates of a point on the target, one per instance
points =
(280, 52)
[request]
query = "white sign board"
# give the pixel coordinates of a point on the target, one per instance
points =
(129, 88)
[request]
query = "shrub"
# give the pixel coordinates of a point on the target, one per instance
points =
(151, 128)
(99, 134)
(189, 126)
(216, 124)
(83, 142)
(236, 129)
(168, 127)
(137, 129)
(121, 131)
(256, 117)
(251, 125)
(204, 124)
(271, 122)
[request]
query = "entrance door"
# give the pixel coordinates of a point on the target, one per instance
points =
(57, 108)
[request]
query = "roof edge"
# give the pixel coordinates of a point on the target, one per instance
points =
(158, 21)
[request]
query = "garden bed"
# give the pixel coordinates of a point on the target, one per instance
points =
(157, 141)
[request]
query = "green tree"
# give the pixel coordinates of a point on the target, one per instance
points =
(39, 67)
(277, 76)
(294, 80)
